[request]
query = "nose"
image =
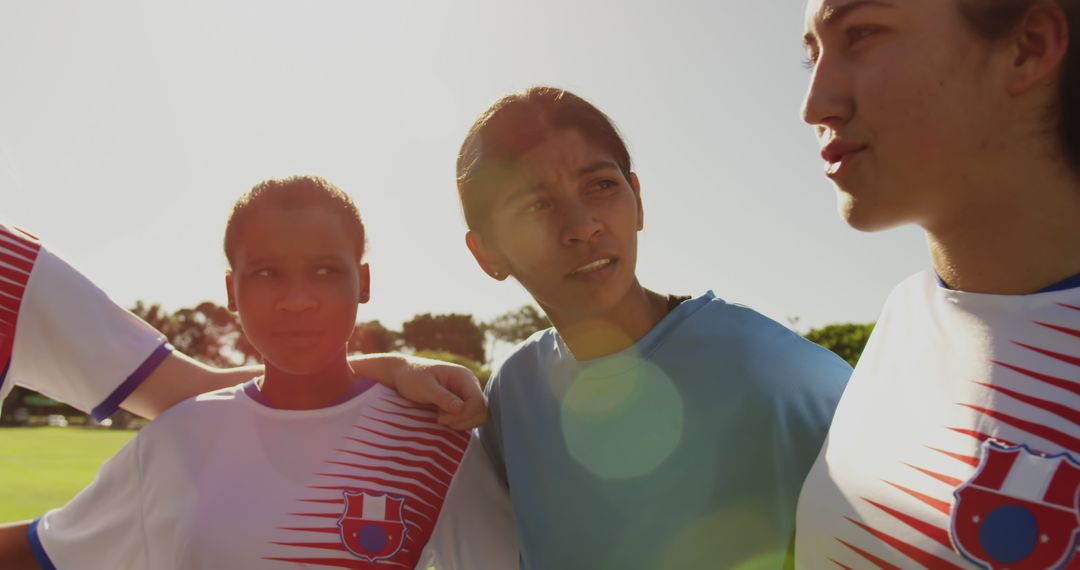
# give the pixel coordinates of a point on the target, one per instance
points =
(828, 102)
(297, 298)
(580, 224)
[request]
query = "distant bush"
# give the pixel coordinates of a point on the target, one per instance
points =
(847, 340)
(482, 373)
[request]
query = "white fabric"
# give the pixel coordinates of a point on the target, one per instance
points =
(222, 481)
(941, 374)
(71, 342)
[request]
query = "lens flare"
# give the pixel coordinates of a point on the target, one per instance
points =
(622, 418)
(724, 539)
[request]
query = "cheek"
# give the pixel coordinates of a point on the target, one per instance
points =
(527, 245)
(253, 301)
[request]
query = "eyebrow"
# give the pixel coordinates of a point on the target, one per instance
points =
(510, 197)
(596, 166)
(262, 260)
(834, 14)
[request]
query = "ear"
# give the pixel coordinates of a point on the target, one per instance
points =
(636, 185)
(1039, 47)
(229, 290)
(485, 256)
(365, 283)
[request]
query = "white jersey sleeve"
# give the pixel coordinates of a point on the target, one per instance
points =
(102, 527)
(63, 337)
(476, 526)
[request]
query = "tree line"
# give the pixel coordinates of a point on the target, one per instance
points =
(212, 334)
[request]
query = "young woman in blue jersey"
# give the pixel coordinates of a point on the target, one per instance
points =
(311, 465)
(957, 442)
(644, 430)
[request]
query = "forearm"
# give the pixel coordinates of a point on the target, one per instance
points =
(15, 553)
(178, 378)
(384, 368)
(451, 388)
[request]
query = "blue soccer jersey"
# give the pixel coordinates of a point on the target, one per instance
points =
(686, 450)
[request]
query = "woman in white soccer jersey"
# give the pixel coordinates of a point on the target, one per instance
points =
(957, 441)
(62, 336)
(309, 466)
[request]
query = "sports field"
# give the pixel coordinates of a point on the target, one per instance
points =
(41, 468)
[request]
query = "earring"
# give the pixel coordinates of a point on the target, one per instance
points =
(496, 274)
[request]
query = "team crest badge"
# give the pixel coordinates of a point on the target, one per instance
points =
(1020, 511)
(373, 526)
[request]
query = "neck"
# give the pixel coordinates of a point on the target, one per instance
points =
(600, 335)
(1021, 234)
(286, 391)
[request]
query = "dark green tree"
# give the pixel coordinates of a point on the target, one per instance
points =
(207, 332)
(456, 333)
(517, 325)
(372, 337)
(847, 340)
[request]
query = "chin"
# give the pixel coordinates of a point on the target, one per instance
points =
(864, 216)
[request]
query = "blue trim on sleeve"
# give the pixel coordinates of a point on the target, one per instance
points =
(3, 375)
(1069, 283)
(112, 403)
(37, 548)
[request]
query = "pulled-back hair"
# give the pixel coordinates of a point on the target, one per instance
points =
(514, 125)
(294, 193)
(994, 19)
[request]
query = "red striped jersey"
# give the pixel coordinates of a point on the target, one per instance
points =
(18, 252)
(957, 441)
(62, 336)
(223, 481)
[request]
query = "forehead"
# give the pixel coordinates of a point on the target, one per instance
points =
(823, 13)
(275, 231)
(565, 149)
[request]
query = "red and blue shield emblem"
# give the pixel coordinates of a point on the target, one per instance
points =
(1020, 511)
(373, 525)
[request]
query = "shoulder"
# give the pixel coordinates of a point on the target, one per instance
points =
(199, 411)
(527, 357)
(917, 288)
(773, 359)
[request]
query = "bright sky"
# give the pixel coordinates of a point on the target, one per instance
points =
(128, 128)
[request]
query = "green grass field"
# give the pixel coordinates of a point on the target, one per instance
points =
(41, 468)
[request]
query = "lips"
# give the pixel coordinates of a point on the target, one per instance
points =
(839, 152)
(593, 265)
(298, 334)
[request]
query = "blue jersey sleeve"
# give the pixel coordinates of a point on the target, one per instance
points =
(491, 432)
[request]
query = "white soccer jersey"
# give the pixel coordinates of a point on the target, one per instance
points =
(62, 336)
(957, 441)
(223, 481)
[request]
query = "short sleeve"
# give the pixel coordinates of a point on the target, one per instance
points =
(490, 434)
(475, 527)
(69, 341)
(102, 527)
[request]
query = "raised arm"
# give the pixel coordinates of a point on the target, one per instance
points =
(451, 388)
(15, 552)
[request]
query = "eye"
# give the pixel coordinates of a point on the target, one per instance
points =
(855, 34)
(325, 270)
(603, 185)
(263, 272)
(813, 52)
(536, 206)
